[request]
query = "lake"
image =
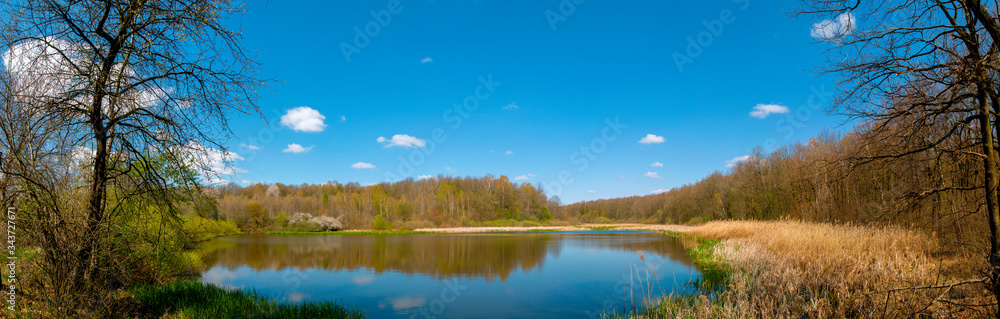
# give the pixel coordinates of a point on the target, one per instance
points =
(480, 275)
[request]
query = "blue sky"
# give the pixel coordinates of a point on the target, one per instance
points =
(532, 87)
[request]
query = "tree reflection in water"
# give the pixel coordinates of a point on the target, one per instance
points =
(484, 255)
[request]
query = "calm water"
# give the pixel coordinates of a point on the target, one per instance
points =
(489, 275)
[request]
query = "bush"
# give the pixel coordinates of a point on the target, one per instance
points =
(380, 223)
(602, 220)
(303, 226)
(528, 223)
(328, 223)
(302, 222)
(556, 223)
(201, 229)
(695, 220)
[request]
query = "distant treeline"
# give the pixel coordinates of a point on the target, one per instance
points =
(831, 178)
(442, 201)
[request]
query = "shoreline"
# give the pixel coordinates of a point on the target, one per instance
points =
(581, 227)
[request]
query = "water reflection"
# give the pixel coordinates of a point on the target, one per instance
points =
(489, 275)
(486, 255)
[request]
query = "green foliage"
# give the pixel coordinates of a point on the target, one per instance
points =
(200, 300)
(543, 214)
(714, 272)
(404, 210)
(280, 220)
(602, 220)
(602, 227)
(696, 220)
(528, 223)
(257, 215)
(199, 229)
(508, 223)
(557, 223)
(380, 223)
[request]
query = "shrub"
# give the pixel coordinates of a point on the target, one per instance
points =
(328, 223)
(201, 229)
(528, 223)
(602, 220)
(557, 223)
(380, 223)
(695, 220)
(303, 226)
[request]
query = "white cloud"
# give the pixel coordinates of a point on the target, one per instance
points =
(652, 139)
(656, 164)
(211, 164)
(763, 110)
(304, 119)
(343, 118)
(524, 177)
(592, 191)
(732, 163)
(363, 280)
(448, 168)
(659, 191)
(250, 147)
(296, 148)
(404, 303)
(621, 176)
(508, 153)
(296, 296)
(362, 165)
(48, 69)
(427, 60)
(844, 24)
(402, 140)
(423, 177)
(511, 106)
(652, 175)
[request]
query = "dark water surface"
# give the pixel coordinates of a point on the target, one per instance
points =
(485, 275)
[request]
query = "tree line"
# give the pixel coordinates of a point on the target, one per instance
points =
(440, 201)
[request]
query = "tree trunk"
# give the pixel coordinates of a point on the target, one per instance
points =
(992, 211)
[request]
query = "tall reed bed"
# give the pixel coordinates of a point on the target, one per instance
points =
(791, 269)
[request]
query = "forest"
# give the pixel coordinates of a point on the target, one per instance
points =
(408, 204)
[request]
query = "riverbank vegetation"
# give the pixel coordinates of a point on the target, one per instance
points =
(784, 269)
(192, 299)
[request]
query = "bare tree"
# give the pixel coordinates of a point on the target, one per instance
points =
(137, 90)
(906, 66)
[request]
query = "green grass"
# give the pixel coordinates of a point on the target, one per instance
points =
(714, 279)
(714, 272)
(373, 232)
(199, 300)
(601, 227)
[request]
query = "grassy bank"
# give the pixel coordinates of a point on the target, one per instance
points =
(789, 269)
(192, 299)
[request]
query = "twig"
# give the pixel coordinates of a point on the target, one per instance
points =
(949, 286)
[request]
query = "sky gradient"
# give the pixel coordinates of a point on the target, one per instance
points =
(596, 99)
